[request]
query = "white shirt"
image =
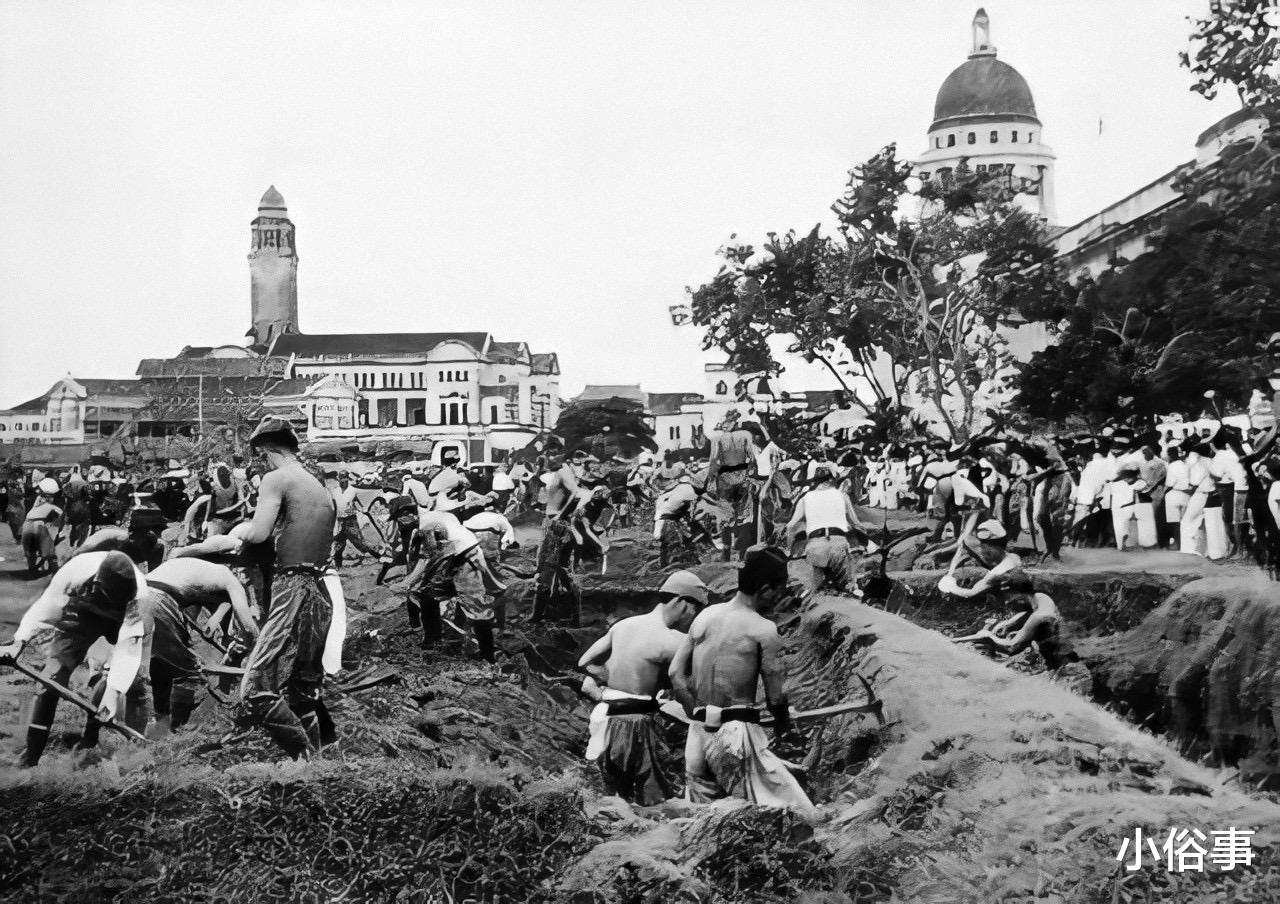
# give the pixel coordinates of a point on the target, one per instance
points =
(824, 508)
(444, 482)
(418, 490)
(458, 538)
(1177, 477)
(492, 521)
(1273, 501)
(345, 501)
(675, 501)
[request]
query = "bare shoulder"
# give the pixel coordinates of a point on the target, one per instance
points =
(763, 629)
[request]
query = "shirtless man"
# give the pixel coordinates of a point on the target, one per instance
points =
(140, 541)
(985, 548)
(562, 485)
(732, 454)
(287, 659)
(631, 662)
(731, 648)
(93, 596)
(176, 678)
(1035, 620)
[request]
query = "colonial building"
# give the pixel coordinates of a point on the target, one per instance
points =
(75, 411)
(461, 390)
(985, 114)
(686, 420)
(1121, 231)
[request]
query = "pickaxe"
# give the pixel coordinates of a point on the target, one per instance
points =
(72, 697)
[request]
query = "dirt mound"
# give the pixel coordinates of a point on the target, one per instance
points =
(1204, 666)
(997, 786)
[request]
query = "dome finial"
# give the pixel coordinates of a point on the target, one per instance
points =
(982, 45)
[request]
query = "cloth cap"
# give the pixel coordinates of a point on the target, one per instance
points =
(117, 580)
(990, 530)
(687, 585)
(272, 427)
(400, 505)
(1015, 581)
(48, 486)
(762, 566)
(147, 519)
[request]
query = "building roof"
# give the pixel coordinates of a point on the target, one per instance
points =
(983, 86)
(272, 204)
(359, 344)
(594, 392)
(517, 350)
(183, 366)
(545, 364)
(670, 402)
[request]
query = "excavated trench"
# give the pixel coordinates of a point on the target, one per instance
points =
(1191, 652)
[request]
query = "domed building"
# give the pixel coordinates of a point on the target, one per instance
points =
(985, 114)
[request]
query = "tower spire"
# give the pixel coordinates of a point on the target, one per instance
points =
(982, 45)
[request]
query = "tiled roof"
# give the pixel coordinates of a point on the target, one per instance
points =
(611, 391)
(545, 364)
(357, 344)
(670, 402)
(190, 367)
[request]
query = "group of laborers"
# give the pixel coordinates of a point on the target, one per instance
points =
(713, 658)
(118, 588)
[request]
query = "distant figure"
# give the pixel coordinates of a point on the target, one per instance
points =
(41, 527)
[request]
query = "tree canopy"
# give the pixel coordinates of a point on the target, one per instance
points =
(605, 427)
(909, 294)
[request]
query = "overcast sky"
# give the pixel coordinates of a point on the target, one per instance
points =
(552, 172)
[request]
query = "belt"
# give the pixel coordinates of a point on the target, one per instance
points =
(670, 517)
(730, 714)
(729, 469)
(302, 568)
(168, 589)
(632, 707)
(827, 532)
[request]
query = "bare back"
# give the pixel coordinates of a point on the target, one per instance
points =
(643, 647)
(195, 580)
(304, 526)
(730, 646)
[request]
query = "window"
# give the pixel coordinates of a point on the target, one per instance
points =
(442, 376)
(937, 142)
(995, 137)
(981, 167)
(951, 141)
(722, 388)
(493, 413)
(1031, 137)
(1013, 136)
(924, 177)
(502, 379)
(973, 138)
(384, 380)
(415, 411)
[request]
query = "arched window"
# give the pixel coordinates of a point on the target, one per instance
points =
(721, 388)
(973, 137)
(995, 136)
(951, 141)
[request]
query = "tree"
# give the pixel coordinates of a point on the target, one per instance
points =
(605, 427)
(1190, 315)
(913, 294)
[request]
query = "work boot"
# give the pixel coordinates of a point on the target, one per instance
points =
(328, 731)
(282, 726)
(42, 710)
(413, 603)
(182, 703)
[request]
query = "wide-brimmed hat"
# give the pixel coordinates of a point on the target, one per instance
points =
(990, 531)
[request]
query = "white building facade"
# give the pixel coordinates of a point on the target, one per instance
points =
(459, 390)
